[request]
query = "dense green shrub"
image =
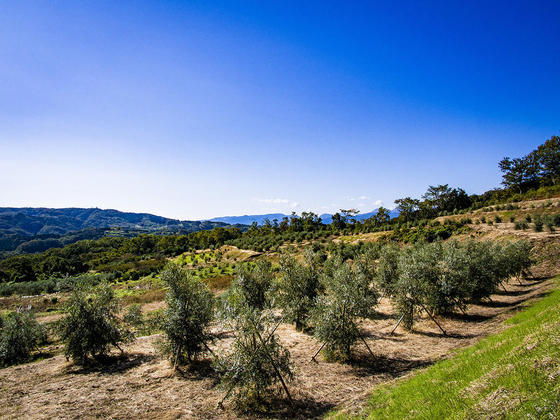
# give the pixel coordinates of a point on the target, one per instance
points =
(349, 296)
(538, 224)
(296, 290)
(190, 309)
(387, 272)
(252, 287)
(91, 325)
(256, 363)
(20, 335)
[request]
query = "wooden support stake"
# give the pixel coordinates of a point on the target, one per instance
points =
(433, 319)
(365, 342)
(275, 368)
(221, 403)
(398, 323)
(318, 351)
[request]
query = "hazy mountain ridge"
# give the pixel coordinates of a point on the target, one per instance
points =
(326, 218)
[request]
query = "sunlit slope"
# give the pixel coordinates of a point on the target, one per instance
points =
(513, 374)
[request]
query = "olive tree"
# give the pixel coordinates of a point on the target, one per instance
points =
(256, 362)
(297, 289)
(387, 270)
(91, 325)
(349, 296)
(190, 309)
(20, 335)
(417, 284)
(519, 258)
(253, 282)
(485, 269)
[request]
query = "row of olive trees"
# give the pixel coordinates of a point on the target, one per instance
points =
(328, 297)
(443, 277)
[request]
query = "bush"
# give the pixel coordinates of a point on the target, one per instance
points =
(387, 273)
(20, 335)
(252, 287)
(538, 224)
(518, 259)
(257, 361)
(349, 295)
(91, 325)
(297, 289)
(190, 309)
(482, 276)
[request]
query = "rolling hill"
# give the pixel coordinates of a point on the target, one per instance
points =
(30, 229)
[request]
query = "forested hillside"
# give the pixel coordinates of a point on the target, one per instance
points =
(28, 230)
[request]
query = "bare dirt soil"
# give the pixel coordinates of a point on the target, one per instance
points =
(142, 384)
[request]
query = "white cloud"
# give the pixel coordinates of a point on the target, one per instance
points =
(360, 198)
(377, 202)
(273, 200)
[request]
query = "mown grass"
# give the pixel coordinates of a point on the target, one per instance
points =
(513, 374)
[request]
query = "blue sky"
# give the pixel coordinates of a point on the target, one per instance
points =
(199, 109)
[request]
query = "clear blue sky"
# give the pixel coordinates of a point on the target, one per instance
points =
(196, 109)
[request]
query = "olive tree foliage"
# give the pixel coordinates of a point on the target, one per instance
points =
(417, 284)
(189, 312)
(387, 270)
(256, 362)
(487, 269)
(251, 287)
(442, 277)
(349, 296)
(518, 255)
(91, 325)
(296, 290)
(20, 335)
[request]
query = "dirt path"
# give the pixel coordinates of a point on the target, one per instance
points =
(142, 385)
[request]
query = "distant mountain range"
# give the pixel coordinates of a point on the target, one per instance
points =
(31, 229)
(260, 218)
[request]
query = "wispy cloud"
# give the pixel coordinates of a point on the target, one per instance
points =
(273, 200)
(282, 202)
(360, 198)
